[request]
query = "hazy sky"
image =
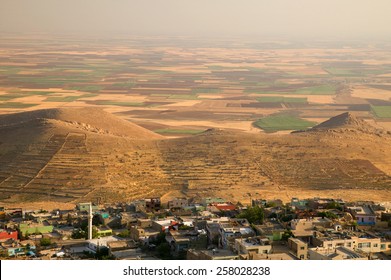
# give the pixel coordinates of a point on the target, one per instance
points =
(295, 18)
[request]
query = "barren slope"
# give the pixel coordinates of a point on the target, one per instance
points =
(62, 154)
(74, 155)
(233, 164)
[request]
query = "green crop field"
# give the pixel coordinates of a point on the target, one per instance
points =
(88, 88)
(160, 94)
(69, 98)
(20, 94)
(268, 92)
(7, 97)
(317, 90)
(314, 90)
(282, 122)
(47, 79)
(9, 70)
(204, 90)
(124, 85)
(62, 98)
(32, 93)
(216, 67)
(16, 105)
(178, 131)
(381, 111)
(282, 99)
(183, 96)
(87, 95)
(344, 72)
(255, 69)
(119, 103)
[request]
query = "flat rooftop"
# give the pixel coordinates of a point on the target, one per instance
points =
(362, 210)
(255, 242)
(298, 241)
(332, 253)
(219, 253)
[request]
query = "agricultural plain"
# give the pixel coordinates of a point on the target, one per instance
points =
(178, 86)
(129, 118)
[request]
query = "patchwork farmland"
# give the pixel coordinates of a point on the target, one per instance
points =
(141, 117)
(157, 82)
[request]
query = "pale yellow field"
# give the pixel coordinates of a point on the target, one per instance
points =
(120, 97)
(362, 91)
(210, 96)
(242, 125)
(187, 103)
(162, 89)
(184, 69)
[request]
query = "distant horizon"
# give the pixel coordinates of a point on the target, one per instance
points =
(304, 20)
(220, 41)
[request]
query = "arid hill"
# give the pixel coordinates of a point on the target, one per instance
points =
(87, 119)
(346, 122)
(69, 155)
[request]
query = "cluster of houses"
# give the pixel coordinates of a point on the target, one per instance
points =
(307, 229)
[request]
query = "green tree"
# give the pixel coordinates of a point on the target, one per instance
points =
(273, 215)
(96, 220)
(45, 241)
(3, 254)
(164, 250)
(334, 205)
(124, 234)
(161, 238)
(79, 234)
(328, 215)
(254, 215)
(26, 235)
(184, 227)
(69, 219)
(287, 218)
(270, 204)
(285, 236)
(94, 233)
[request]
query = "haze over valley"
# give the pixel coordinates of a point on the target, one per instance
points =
(272, 100)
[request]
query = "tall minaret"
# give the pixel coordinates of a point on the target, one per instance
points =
(90, 222)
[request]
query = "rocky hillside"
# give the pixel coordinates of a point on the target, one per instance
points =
(70, 155)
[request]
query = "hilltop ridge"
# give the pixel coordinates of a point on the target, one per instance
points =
(346, 122)
(346, 119)
(78, 155)
(89, 119)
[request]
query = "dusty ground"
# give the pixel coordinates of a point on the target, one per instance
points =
(371, 93)
(79, 155)
(193, 87)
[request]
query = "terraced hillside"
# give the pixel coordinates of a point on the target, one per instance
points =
(61, 155)
(18, 171)
(309, 161)
(64, 156)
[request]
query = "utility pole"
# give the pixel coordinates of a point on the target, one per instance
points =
(90, 222)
